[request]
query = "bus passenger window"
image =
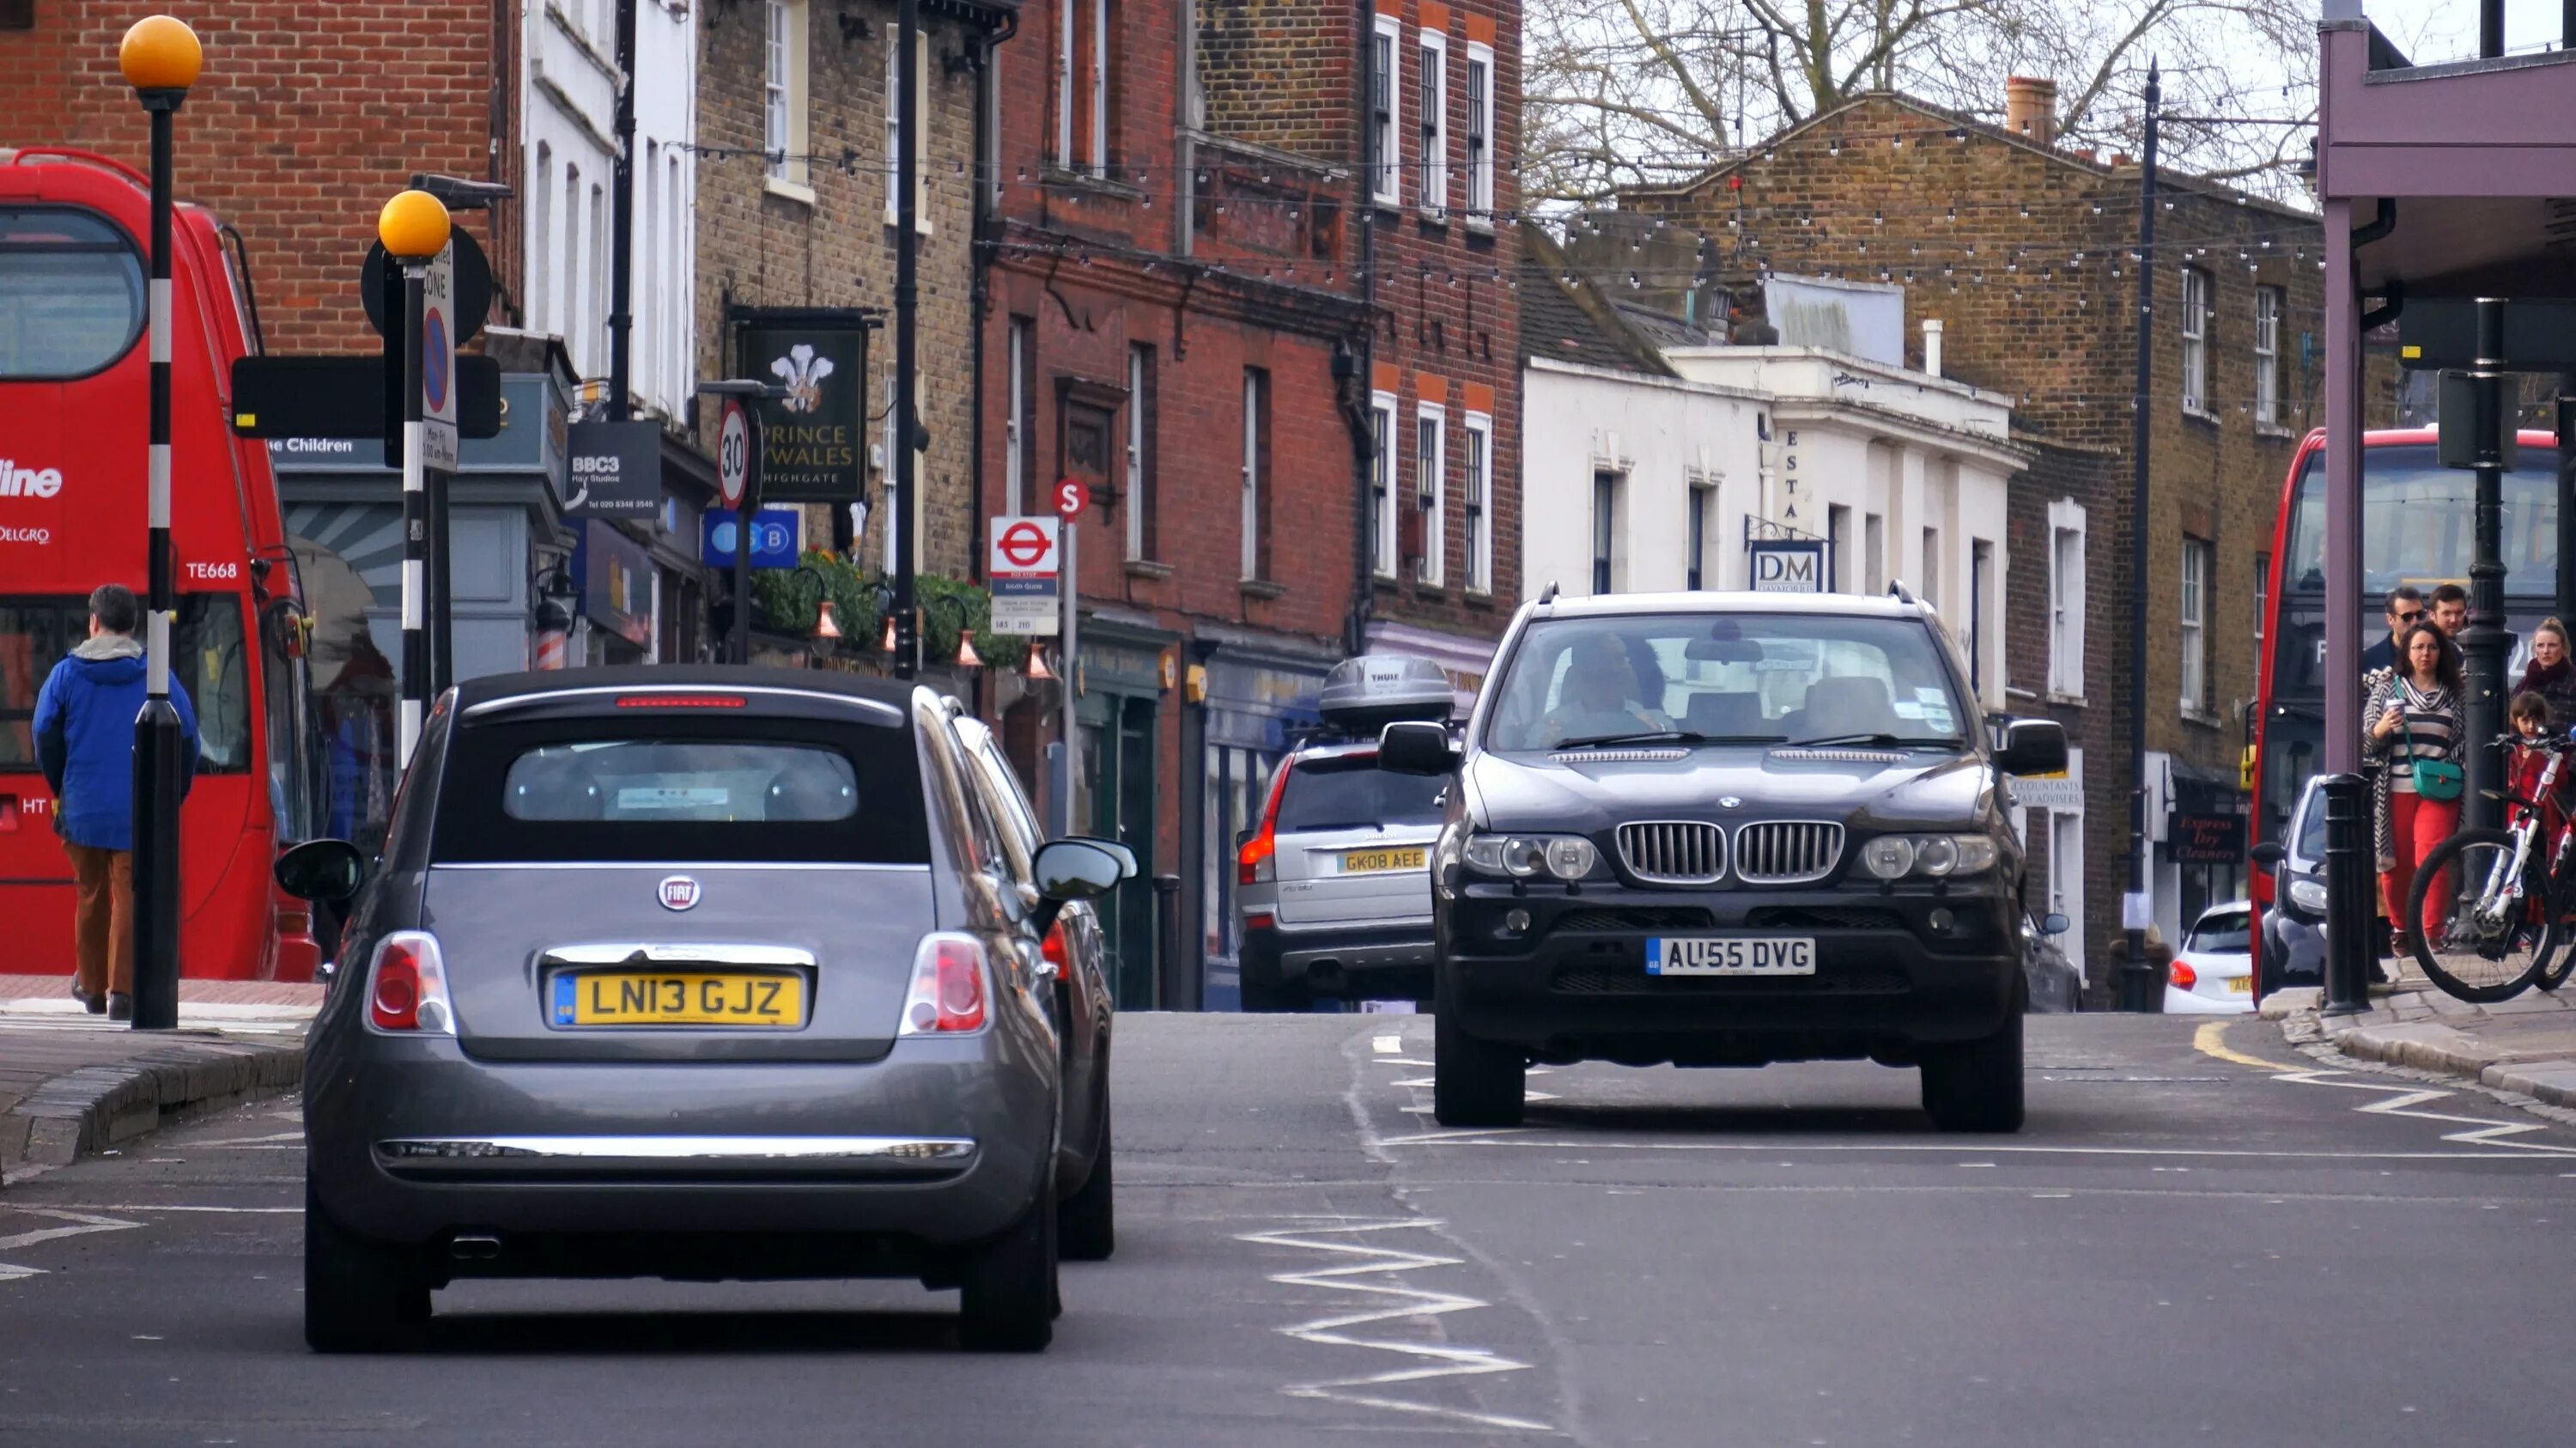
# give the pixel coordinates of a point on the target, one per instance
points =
(71, 293)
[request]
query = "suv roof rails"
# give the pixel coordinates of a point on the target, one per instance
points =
(1548, 594)
(1897, 590)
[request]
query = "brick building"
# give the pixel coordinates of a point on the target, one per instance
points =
(306, 118)
(1261, 303)
(2027, 253)
(796, 140)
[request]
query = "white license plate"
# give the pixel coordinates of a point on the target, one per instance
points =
(1730, 955)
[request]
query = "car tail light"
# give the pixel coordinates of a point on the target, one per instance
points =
(948, 991)
(680, 701)
(407, 986)
(2184, 977)
(1053, 948)
(1257, 862)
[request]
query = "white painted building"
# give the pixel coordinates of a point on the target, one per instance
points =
(570, 106)
(1638, 481)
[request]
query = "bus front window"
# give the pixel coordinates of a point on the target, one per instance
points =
(71, 293)
(2417, 523)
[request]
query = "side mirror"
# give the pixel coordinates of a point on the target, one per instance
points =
(325, 870)
(2032, 746)
(1417, 747)
(2054, 924)
(2268, 855)
(1076, 869)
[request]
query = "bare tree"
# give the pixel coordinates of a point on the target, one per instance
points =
(1629, 92)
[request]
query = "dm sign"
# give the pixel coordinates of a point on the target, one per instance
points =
(810, 438)
(1786, 565)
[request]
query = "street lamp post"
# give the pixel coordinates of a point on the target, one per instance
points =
(160, 58)
(413, 227)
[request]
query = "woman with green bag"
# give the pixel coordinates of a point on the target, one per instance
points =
(2413, 726)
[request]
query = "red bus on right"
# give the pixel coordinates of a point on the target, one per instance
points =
(2416, 528)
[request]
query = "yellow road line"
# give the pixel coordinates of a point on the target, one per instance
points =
(2210, 1040)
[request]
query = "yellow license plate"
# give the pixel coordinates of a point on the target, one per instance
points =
(677, 998)
(1362, 862)
(2241, 985)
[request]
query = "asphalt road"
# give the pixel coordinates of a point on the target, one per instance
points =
(2187, 1245)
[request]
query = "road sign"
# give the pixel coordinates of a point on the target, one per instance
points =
(1071, 497)
(774, 535)
(1025, 569)
(733, 453)
(437, 343)
(380, 287)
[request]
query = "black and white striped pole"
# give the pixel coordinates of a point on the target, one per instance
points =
(413, 227)
(160, 58)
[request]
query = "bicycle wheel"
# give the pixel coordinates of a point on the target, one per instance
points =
(2562, 943)
(2485, 943)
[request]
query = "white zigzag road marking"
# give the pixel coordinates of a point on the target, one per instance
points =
(83, 1223)
(1371, 1276)
(2485, 1132)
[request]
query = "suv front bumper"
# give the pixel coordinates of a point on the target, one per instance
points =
(1896, 969)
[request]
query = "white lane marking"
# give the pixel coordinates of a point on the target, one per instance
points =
(163, 1207)
(296, 1137)
(1388, 1045)
(2210, 1040)
(83, 1223)
(1435, 1360)
(1487, 1138)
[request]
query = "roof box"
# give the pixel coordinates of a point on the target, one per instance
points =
(1364, 694)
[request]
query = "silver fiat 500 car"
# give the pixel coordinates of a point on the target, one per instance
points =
(696, 973)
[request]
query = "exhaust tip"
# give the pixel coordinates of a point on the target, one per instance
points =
(474, 1247)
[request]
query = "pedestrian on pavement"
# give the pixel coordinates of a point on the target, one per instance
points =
(2451, 610)
(85, 744)
(2551, 674)
(2405, 610)
(2413, 725)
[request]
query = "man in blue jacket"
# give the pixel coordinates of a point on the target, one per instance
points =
(85, 744)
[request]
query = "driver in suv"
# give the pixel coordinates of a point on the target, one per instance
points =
(1724, 830)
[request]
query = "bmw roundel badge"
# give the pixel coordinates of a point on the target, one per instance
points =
(678, 892)
(1728, 801)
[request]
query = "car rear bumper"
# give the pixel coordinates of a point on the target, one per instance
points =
(941, 1143)
(1355, 963)
(1574, 984)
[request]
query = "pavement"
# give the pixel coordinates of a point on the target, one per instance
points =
(2525, 1046)
(73, 1084)
(2202, 1236)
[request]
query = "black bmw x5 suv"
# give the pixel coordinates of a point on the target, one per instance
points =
(1725, 830)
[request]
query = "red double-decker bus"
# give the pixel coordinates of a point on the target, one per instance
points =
(2417, 527)
(73, 408)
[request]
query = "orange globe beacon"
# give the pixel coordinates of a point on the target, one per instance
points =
(160, 53)
(413, 226)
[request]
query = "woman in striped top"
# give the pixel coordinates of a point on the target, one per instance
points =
(2414, 714)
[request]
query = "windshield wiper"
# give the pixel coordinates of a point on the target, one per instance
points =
(1880, 738)
(1665, 736)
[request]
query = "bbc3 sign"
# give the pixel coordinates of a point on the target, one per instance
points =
(1786, 565)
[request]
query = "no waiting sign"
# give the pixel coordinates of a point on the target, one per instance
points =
(1024, 567)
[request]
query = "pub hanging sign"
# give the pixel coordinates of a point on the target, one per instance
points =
(811, 450)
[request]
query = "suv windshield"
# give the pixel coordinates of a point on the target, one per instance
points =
(1751, 677)
(1351, 792)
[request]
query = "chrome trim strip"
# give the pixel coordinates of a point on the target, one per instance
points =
(609, 953)
(887, 713)
(506, 1152)
(668, 865)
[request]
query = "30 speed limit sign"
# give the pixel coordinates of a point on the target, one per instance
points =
(733, 453)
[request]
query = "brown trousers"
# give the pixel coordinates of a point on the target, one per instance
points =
(103, 917)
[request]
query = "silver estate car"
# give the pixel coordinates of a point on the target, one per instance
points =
(698, 973)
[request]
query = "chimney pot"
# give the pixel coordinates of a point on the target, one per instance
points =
(2030, 108)
(1932, 346)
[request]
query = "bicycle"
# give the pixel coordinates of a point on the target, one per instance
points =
(2518, 927)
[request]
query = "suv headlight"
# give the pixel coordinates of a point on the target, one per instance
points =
(1520, 857)
(1893, 857)
(2308, 893)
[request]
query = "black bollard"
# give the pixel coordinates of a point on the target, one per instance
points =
(2351, 896)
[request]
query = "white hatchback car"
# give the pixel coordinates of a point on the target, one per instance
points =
(2213, 974)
